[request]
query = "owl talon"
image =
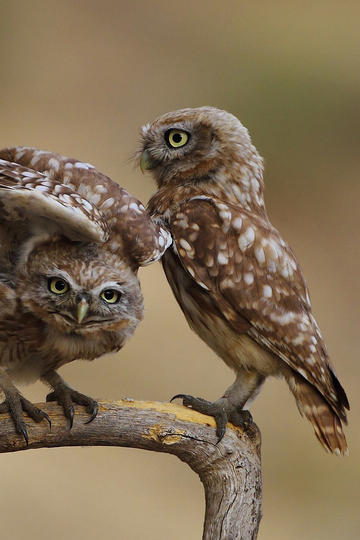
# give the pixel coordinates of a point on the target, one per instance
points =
(220, 410)
(178, 396)
(214, 409)
(241, 418)
(92, 409)
(66, 397)
(23, 431)
(47, 417)
(15, 405)
(34, 412)
(69, 413)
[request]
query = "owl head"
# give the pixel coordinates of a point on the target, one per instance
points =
(79, 288)
(72, 241)
(194, 145)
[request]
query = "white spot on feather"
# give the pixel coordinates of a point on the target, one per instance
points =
(222, 258)
(183, 243)
(310, 360)
(267, 291)
(237, 223)
(260, 255)
(285, 318)
(246, 239)
(108, 203)
(134, 206)
(54, 164)
(30, 174)
(248, 278)
(35, 159)
(255, 184)
(80, 165)
(42, 188)
(86, 205)
(299, 340)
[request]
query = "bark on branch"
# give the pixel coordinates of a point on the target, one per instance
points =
(229, 471)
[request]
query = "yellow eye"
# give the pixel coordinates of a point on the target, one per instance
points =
(58, 285)
(111, 296)
(176, 138)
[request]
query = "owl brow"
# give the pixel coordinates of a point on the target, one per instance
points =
(110, 285)
(56, 272)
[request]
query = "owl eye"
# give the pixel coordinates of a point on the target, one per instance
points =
(111, 296)
(176, 138)
(58, 286)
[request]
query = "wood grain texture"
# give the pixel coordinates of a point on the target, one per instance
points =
(230, 471)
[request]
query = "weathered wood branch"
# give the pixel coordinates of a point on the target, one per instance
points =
(229, 471)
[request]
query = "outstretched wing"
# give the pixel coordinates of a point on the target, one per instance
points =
(251, 273)
(133, 233)
(46, 204)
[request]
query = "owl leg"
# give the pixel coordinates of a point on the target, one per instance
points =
(66, 396)
(229, 408)
(15, 404)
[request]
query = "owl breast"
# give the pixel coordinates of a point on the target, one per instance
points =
(46, 348)
(236, 349)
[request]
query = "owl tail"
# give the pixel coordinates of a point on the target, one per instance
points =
(325, 421)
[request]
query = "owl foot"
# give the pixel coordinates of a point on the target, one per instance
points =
(66, 397)
(222, 411)
(15, 404)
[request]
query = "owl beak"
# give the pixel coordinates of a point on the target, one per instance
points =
(147, 162)
(82, 309)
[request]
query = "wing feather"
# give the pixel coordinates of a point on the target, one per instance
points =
(251, 273)
(132, 231)
(27, 195)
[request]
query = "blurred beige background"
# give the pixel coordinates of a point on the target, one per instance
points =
(80, 78)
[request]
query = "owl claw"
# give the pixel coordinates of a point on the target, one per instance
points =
(93, 409)
(69, 413)
(15, 404)
(213, 409)
(23, 431)
(66, 397)
(47, 417)
(220, 410)
(241, 417)
(180, 396)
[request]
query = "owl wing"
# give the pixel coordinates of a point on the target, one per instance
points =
(145, 238)
(133, 233)
(252, 274)
(48, 205)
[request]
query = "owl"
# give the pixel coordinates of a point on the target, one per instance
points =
(71, 243)
(236, 280)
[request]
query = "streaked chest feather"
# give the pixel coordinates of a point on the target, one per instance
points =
(25, 362)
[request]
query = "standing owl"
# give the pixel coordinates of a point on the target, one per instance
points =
(71, 242)
(237, 282)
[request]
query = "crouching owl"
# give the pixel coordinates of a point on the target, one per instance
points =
(71, 242)
(237, 282)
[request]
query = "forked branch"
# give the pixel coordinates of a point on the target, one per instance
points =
(230, 471)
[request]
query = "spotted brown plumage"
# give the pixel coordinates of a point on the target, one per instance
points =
(236, 280)
(71, 242)
(99, 197)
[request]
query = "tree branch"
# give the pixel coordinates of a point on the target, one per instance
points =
(229, 471)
